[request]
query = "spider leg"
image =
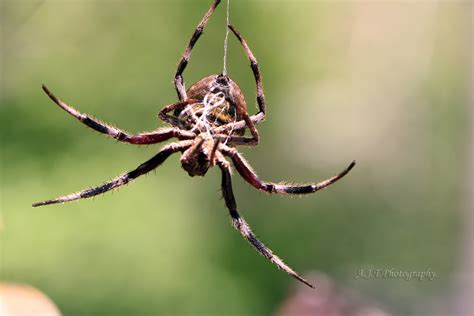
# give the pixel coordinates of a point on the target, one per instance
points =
(250, 141)
(241, 225)
(163, 115)
(255, 70)
(139, 139)
(257, 118)
(233, 140)
(144, 168)
(178, 79)
(245, 170)
(248, 121)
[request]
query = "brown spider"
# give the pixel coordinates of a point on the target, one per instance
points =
(209, 119)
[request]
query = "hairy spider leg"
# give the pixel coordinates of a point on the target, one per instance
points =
(178, 79)
(257, 118)
(249, 175)
(180, 105)
(241, 225)
(214, 150)
(146, 138)
(233, 140)
(255, 69)
(248, 121)
(144, 168)
(258, 82)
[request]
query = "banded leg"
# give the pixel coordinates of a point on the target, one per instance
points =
(255, 69)
(248, 121)
(245, 170)
(144, 168)
(103, 128)
(178, 79)
(241, 225)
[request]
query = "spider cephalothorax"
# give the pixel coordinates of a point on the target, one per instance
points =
(209, 120)
(198, 158)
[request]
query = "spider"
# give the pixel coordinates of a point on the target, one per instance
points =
(209, 120)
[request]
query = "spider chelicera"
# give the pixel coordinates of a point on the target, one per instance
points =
(209, 120)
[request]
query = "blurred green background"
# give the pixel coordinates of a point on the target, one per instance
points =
(382, 82)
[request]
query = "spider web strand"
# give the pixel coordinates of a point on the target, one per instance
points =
(226, 39)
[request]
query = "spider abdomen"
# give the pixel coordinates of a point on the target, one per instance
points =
(221, 102)
(204, 116)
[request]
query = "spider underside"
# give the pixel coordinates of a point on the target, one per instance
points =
(209, 120)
